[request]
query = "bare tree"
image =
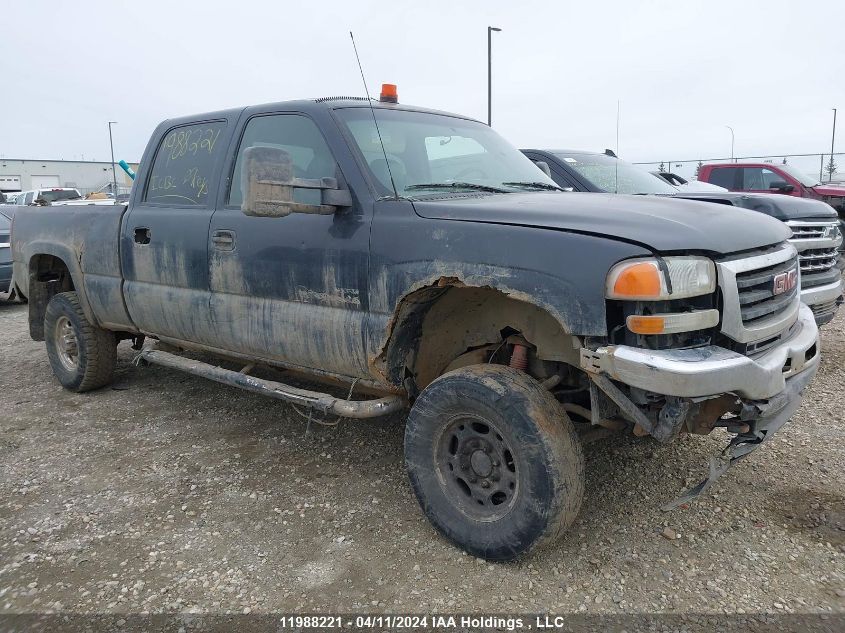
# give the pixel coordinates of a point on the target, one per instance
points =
(831, 168)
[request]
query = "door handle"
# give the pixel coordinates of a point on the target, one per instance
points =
(142, 235)
(223, 240)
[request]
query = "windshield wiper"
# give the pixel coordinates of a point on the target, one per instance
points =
(455, 185)
(534, 185)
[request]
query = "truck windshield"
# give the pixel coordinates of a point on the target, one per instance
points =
(615, 176)
(54, 195)
(800, 176)
(431, 154)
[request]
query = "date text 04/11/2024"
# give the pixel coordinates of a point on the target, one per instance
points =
(386, 621)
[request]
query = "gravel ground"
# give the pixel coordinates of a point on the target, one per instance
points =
(168, 493)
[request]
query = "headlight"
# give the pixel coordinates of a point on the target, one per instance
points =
(650, 279)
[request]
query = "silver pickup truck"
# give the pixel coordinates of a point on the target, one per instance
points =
(427, 262)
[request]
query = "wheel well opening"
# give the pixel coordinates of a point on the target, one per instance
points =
(48, 276)
(440, 327)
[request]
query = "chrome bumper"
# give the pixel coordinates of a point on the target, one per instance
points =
(821, 294)
(710, 371)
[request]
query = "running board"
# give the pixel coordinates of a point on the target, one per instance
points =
(322, 402)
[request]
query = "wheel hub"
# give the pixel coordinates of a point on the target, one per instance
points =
(67, 346)
(481, 463)
(477, 469)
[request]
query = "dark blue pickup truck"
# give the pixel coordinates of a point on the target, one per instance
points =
(417, 257)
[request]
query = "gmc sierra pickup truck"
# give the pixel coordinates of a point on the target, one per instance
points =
(816, 230)
(417, 257)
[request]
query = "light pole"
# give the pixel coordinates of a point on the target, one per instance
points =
(732, 141)
(490, 30)
(113, 170)
(832, 141)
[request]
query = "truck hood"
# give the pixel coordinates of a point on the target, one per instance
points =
(662, 224)
(775, 205)
(829, 190)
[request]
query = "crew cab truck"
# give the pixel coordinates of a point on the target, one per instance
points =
(816, 230)
(772, 178)
(423, 260)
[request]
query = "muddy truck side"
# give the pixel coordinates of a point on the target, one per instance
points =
(418, 259)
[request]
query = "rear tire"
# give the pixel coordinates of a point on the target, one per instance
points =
(81, 355)
(494, 461)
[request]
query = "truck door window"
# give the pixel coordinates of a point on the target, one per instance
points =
(298, 136)
(724, 177)
(754, 178)
(183, 169)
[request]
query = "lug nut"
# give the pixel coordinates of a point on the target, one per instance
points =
(485, 484)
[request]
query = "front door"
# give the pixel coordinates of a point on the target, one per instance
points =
(164, 235)
(761, 179)
(290, 289)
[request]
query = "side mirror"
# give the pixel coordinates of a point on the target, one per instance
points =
(267, 183)
(544, 167)
(781, 186)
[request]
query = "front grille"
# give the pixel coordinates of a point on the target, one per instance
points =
(757, 298)
(818, 244)
(817, 259)
(752, 313)
(4, 240)
(808, 231)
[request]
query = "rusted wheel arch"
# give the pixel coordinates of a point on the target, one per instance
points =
(437, 324)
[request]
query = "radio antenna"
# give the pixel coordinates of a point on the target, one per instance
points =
(375, 121)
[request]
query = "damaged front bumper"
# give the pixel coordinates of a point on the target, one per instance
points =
(710, 370)
(772, 415)
(767, 388)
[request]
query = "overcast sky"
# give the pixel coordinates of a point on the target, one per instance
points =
(682, 70)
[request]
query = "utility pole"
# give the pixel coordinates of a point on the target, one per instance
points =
(732, 142)
(832, 141)
(113, 170)
(490, 30)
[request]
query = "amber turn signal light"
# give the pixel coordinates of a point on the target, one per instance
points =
(672, 323)
(641, 280)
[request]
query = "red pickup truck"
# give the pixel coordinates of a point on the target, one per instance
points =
(771, 178)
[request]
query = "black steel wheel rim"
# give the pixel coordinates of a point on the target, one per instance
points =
(477, 468)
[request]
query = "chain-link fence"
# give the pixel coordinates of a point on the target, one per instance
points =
(814, 165)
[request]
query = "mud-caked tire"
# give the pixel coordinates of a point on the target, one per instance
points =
(81, 355)
(494, 461)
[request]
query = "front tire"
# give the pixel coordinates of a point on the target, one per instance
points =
(81, 355)
(494, 461)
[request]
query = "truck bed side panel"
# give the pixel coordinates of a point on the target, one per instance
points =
(85, 238)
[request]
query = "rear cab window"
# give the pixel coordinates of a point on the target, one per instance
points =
(184, 169)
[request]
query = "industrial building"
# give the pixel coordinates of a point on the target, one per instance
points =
(85, 175)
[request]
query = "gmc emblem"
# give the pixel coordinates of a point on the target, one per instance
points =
(785, 282)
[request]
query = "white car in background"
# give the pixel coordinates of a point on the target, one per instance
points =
(685, 185)
(57, 196)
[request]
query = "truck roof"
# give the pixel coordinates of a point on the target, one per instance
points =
(319, 104)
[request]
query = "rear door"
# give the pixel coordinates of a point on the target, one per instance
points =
(164, 235)
(728, 177)
(290, 289)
